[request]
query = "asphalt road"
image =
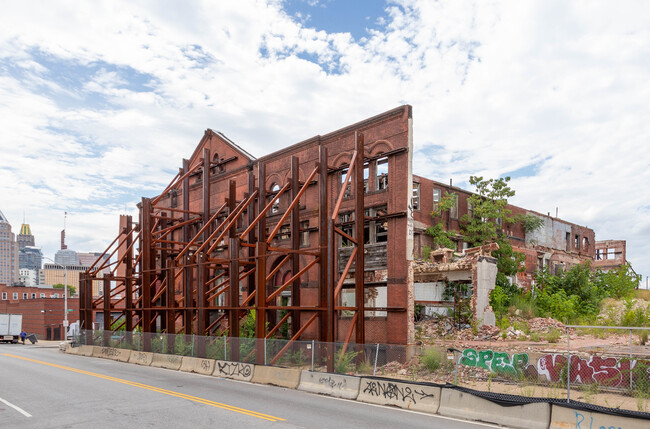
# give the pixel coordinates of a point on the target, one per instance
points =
(42, 387)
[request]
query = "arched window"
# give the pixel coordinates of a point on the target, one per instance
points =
(275, 208)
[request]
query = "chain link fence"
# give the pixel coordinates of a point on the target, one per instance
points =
(367, 359)
(605, 366)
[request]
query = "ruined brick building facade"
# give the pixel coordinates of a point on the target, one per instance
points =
(219, 192)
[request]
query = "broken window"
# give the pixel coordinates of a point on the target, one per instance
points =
(366, 174)
(415, 201)
(600, 254)
(275, 208)
(304, 233)
(348, 190)
(585, 242)
(216, 168)
(436, 198)
(611, 253)
(174, 198)
(577, 242)
(453, 210)
(347, 227)
(382, 173)
(568, 241)
(284, 233)
(376, 231)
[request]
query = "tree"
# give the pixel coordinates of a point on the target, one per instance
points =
(440, 235)
(71, 289)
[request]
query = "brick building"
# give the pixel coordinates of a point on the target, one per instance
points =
(397, 211)
(42, 309)
(556, 245)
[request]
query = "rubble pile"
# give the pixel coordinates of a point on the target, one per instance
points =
(543, 325)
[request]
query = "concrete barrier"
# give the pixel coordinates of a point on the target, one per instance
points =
(284, 377)
(568, 418)
(198, 365)
(85, 351)
(160, 360)
(72, 350)
(112, 353)
(340, 386)
(235, 370)
(141, 358)
(411, 396)
(462, 405)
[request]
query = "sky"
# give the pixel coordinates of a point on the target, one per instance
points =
(100, 101)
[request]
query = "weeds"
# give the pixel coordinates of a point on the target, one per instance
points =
(553, 335)
(433, 359)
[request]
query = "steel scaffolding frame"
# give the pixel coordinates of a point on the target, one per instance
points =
(177, 280)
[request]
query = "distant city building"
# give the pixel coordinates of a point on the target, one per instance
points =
(66, 257)
(25, 238)
(31, 258)
(53, 274)
(28, 277)
(89, 258)
(8, 253)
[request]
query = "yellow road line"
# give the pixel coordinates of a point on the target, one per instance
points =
(156, 389)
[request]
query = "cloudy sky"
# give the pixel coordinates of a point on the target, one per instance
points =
(100, 101)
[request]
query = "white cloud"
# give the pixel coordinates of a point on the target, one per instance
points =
(496, 87)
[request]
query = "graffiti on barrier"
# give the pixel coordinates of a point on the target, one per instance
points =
(140, 357)
(612, 372)
(580, 419)
(393, 391)
(110, 352)
(231, 369)
(332, 383)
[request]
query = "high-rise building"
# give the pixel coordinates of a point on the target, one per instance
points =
(30, 257)
(8, 253)
(25, 238)
(66, 257)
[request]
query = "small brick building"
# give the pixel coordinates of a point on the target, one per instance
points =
(42, 309)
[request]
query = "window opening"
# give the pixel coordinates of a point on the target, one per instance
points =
(453, 210)
(275, 208)
(415, 201)
(347, 227)
(304, 233)
(382, 173)
(436, 198)
(348, 191)
(376, 231)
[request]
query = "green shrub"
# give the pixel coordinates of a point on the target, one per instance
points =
(344, 362)
(535, 337)
(553, 335)
(433, 359)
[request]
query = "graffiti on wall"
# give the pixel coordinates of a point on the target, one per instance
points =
(612, 372)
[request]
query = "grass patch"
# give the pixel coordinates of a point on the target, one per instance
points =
(433, 359)
(553, 335)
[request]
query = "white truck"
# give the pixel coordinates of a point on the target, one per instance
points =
(10, 327)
